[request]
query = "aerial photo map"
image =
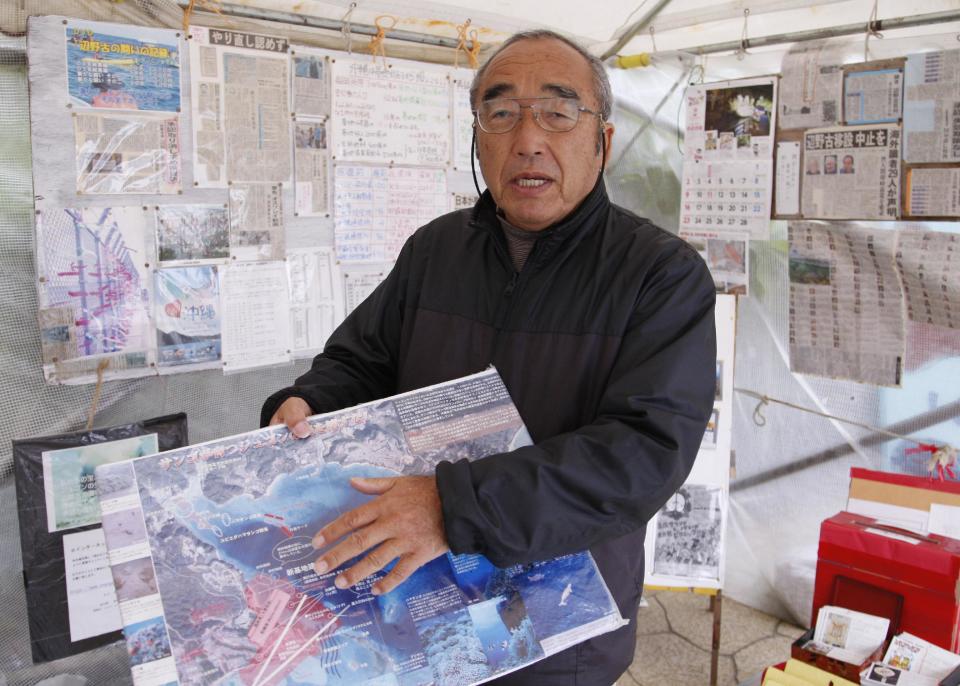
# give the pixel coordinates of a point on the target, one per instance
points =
(228, 525)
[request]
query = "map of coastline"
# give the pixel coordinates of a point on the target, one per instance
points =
(229, 526)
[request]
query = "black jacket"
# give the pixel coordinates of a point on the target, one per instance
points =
(606, 343)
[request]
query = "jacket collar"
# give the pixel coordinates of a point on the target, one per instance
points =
(573, 226)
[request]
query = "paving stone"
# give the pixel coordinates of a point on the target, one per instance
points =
(790, 631)
(689, 615)
(652, 619)
(669, 660)
(760, 655)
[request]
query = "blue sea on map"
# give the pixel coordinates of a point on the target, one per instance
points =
(122, 72)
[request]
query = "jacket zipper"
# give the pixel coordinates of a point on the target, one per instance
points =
(509, 298)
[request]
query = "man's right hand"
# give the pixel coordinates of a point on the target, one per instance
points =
(294, 412)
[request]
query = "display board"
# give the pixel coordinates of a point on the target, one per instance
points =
(684, 547)
(163, 161)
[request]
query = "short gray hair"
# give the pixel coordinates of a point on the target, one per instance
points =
(601, 82)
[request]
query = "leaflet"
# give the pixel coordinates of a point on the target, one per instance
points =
(91, 601)
(848, 635)
(229, 526)
(788, 178)
(917, 656)
(846, 317)
(852, 173)
(727, 254)
(689, 534)
(931, 108)
(927, 261)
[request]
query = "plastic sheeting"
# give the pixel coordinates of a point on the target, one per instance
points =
(790, 473)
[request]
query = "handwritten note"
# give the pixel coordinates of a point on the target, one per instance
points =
(390, 114)
(377, 208)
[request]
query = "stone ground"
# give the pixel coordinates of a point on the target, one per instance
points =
(674, 634)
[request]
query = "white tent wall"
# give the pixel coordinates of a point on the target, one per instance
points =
(790, 473)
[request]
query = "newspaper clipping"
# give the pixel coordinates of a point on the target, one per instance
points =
(852, 173)
(311, 84)
(846, 316)
(811, 84)
(316, 298)
(256, 222)
(931, 109)
(872, 96)
(241, 118)
(726, 254)
(127, 153)
(928, 261)
(311, 167)
(728, 159)
(932, 192)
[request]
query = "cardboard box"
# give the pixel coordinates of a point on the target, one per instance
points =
(912, 579)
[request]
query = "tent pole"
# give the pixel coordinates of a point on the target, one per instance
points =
(328, 24)
(636, 28)
(830, 32)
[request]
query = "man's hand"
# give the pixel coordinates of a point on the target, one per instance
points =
(405, 521)
(294, 412)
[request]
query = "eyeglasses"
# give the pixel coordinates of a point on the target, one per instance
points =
(557, 115)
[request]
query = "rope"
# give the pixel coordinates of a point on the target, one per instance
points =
(101, 368)
(376, 43)
(744, 41)
(653, 38)
(461, 42)
(473, 54)
(346, 30)
(208, 5)
(872, 25)
(943, 455)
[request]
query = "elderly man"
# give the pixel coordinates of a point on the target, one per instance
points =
(600, 324)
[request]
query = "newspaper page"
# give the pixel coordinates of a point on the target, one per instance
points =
(852, 173)
(228, 531)
(193, 234)
(872, 96)
(311, 169)
(931, 108)
(377, 208)
(316, 298)
(240, 105)
(727, 256)
(94, 284)
(811, 86)
(256, 222)
(127, 153)
(927, 261)
(256, 315)
(132, 68)
(788, 178)
(358, 284)
(390, 114)
(462, 119)
(846, 315)
(728, 157)
(188, 315)
(311, 83)
(932, 192)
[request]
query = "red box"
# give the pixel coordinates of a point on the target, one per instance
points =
(912, 579)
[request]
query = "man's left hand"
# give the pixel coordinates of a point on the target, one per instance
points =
(405, 521)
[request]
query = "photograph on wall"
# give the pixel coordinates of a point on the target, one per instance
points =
(193, 234)
(689, 534)
(94, 285)
(139, 70)
(188, 315)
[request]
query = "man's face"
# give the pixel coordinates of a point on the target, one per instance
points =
(538, 177)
